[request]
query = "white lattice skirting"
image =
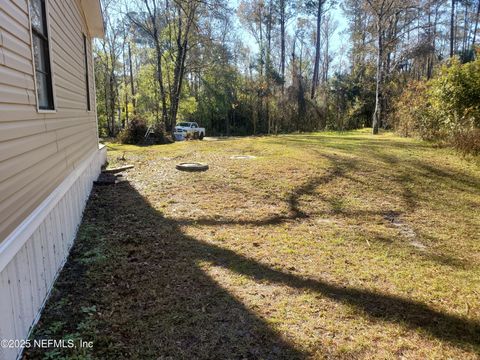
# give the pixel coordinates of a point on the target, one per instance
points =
(34, 253)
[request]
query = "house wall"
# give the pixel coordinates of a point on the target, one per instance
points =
(48, 161)
(39, 149)
(32, 256)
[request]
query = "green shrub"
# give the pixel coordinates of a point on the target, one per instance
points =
(455, 95)
(414, 115)
(447, 108)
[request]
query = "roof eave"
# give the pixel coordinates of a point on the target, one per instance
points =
(94, 17)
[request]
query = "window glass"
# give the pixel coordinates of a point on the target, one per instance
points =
(87, 77)
(36, 15)
(39, 51)
(42, 91)
(41, 54)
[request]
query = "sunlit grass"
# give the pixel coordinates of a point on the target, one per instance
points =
(287, 232)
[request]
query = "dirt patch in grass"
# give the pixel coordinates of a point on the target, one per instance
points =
(305, 252)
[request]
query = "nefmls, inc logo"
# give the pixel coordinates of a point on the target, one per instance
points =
(53, 343)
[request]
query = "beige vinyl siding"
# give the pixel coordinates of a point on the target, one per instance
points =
(39, 149)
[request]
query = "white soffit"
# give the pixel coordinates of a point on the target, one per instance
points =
(94, 17)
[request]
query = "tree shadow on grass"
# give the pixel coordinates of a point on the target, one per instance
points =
(136, 289)
(153, 300)
(339, 167)
(182, 253)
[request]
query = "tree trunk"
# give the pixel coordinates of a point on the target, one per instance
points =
(465, 29)
(160, 80)
(377, 115)
(179, 69)
(452, 28)
(125, 121)
(476, 25)
(269, 66)
(327, 60)
(317, 50)
(112, 103)
(262, 64)
(158, 52)
(282, 43)
(132, 84)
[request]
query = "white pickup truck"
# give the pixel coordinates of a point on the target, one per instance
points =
(190, 130)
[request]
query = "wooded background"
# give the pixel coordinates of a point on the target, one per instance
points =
(403, 64)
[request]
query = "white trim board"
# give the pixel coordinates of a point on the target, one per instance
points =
(17, 238)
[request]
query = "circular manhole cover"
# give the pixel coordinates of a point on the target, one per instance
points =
(192, 166)
(243, 157)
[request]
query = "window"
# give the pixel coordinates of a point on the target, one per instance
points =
(41, 54)
(87, 78)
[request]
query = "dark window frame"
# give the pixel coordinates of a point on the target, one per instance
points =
(87, 75)
(42, 36)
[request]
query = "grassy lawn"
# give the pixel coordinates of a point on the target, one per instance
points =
(332, 245)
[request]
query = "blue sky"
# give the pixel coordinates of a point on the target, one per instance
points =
(339, 41)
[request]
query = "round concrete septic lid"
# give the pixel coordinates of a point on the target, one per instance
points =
(192, 166)
(243, 157)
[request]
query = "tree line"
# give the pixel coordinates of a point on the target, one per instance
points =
(272, 66)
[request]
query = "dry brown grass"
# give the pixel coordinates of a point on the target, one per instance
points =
(323, 246)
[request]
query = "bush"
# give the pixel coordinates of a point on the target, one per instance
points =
(134, 133)
(455, 95)
(414, 114)
(468, 142)
(447, 108)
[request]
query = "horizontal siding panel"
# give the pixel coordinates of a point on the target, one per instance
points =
(62, 81)
(38, 149)
(73, 130)
(20, 48)
(14, 95)
(14, 27)
(79, 99)
(64, 122)
(12, 148)
(24, 202)
(17, 62)
(18, 129)
(65, 57)
(66, 77)
(73, 139)
(60, 62)
(18, 112)
(11, 167)
(65, 8)
(16, 13)
(48, 177)
(22, 5)
(64, 92)
(14, 78)
(76, 153)
(16, 183)
(67, 103)
(69, 39)
(63, 14)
